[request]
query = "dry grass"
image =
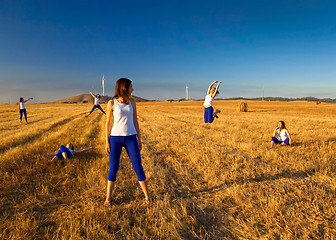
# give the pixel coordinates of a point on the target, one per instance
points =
(208, 181)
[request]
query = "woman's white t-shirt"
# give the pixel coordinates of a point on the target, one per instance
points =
(22, 105)
(208, 100)
(282, 135)
(123, 124)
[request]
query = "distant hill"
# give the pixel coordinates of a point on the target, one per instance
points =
(309, 99)
(89, 99)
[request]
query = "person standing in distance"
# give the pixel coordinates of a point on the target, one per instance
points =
(96, 104)
(22, 108)
(124, 132)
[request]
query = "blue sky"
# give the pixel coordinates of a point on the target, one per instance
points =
(54, 49)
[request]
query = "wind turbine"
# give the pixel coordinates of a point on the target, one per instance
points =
(263, 95)
(187, 93)
(103, 80)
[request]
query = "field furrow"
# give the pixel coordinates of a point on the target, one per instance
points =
(207, 181)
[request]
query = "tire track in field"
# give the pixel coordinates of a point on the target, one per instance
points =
(184, 181)
(15, 127)
(170, 146)
(27, 196)
(266, 179)
(176, 179)
(256, 162)
(80, 164)
(22, 140)
(8, 111)
(43, 173)
(262, 172)
(160, 149)
(55, 134)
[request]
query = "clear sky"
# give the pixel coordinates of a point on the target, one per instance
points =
(55, 49)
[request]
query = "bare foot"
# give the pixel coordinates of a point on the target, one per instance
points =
(148, 201)
(108, 203)
(54, 159)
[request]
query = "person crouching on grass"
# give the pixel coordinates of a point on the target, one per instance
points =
(66, 152)
(284, 137)
(125, 133)
(209, 114)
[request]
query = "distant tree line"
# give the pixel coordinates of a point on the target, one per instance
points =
(310, 99)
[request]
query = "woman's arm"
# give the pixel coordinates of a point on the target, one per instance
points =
(289, 137)
(50, 154)
(28, 99)
(92, 94)
(136, 123)
(84, 150)
(208, 92)
(108, 125)
(275, 131)
(213, 95)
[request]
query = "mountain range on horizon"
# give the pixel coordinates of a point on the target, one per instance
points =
(87, 98)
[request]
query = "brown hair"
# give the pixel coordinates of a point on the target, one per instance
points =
(283, 124)
(71, 146)
(122, 89)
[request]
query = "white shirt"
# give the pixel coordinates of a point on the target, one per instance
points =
(72, 151)
(22, 105)
(123, 124)
(282, 135)
(96, 101)
(208, 100)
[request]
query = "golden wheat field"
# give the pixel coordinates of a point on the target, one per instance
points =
(207, 181)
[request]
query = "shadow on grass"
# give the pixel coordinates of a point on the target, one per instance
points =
(21, 141)
(331, 139)
(206, 223)
(240, 181)
(262, 110)
(312, 142)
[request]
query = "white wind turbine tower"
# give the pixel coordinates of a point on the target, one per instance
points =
(263, 95)
(187, 88)
(103, 80)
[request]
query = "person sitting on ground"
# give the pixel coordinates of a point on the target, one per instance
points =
(66, 152)
(284, 137)
(209, 114)
(96, 104)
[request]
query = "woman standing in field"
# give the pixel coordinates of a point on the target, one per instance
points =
(66, 152)
(283, 135)
(22, 108)
(209, 114)
(124, 133)
(96, 104)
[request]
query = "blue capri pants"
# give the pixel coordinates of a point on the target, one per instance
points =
(24, 112)
(208, 115)
(63, 149)
(131, 145)
(277, 141)
(96, 106)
